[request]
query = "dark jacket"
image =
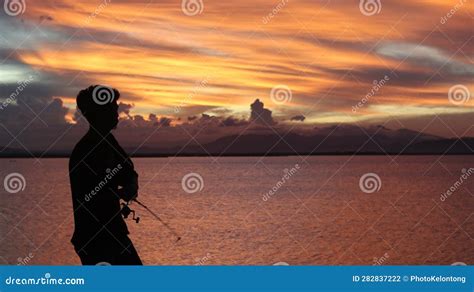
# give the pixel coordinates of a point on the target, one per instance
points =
(101, 174)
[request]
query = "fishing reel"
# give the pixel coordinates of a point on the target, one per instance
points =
(126, 211)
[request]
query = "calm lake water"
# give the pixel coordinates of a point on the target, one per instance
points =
(318, 214)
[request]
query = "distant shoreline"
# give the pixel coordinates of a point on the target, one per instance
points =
(250, 155)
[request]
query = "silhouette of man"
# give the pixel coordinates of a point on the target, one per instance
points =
(101, 174)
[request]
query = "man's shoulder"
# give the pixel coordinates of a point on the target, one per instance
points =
(85, 149)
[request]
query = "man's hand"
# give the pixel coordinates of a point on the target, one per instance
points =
(128, 193)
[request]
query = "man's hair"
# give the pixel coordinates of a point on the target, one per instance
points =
(95, 98)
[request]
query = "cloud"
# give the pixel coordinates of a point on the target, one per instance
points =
(425, 56)
(260, 115)
(125, 108)
(299, 118)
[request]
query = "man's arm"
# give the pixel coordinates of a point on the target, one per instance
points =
(128, 185)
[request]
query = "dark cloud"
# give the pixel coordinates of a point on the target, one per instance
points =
(260, 115)
(163, 121)
(233, 122)
(125, 108)
(299, 118)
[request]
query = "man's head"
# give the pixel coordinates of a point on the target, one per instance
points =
(98, 104)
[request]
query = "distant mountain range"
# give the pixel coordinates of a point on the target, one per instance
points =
(334, 140)
(328, 141)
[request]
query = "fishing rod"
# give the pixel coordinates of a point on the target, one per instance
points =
(126, 211)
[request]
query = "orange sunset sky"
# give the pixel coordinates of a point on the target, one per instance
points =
(177, 60)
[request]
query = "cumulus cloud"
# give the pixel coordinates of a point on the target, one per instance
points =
(260, 115)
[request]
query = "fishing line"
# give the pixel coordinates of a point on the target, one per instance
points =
(170, 229)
